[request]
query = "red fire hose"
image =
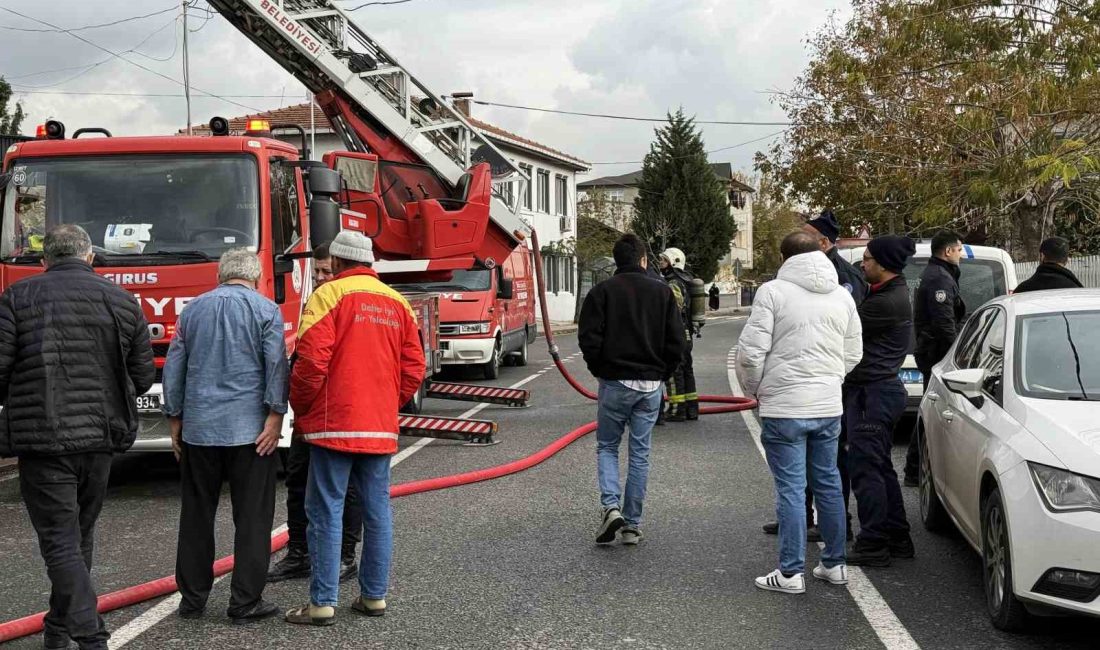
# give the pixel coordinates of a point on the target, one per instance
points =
(162, 587)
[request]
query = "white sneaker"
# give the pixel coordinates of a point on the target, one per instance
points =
(609, 526)
(630, 536)
(837, 575)
(776, 581)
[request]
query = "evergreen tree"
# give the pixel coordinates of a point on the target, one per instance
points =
(10, 121)
(681, 203)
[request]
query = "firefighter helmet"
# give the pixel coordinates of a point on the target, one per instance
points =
(675, 257)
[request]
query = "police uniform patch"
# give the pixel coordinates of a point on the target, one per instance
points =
(849, 287)
(941, 296)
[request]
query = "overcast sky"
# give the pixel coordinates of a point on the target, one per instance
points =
(716, 58)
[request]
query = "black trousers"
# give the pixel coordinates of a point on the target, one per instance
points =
(682, 393)
(252, 479)
(912, 454)
(297, 476)
(872, 411)
(64, 496)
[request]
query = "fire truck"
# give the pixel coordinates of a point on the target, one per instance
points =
(416, 178)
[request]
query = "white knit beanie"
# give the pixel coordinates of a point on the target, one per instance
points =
(352, 246)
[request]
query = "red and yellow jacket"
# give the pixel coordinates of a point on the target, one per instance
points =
(359, 359)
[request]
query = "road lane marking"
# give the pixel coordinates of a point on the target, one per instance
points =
(874, 607)
(168, 606)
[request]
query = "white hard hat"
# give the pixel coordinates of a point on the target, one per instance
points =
(675, 257)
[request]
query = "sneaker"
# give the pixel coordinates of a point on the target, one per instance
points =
(294, 565)
(771, 528)
(837, 575)
(311, 615)
(612, 522)
(776, 581)
(866, 555)
(902, 548)
(630, 536)
(369, 607)
(259, 611)
(348, 569)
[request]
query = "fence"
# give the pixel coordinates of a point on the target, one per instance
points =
(1087, 270)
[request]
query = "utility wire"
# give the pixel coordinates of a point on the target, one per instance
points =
(102, 94)
(380, 3)
(58, 30)
(732, 146)
(625, 117)
(133, 63)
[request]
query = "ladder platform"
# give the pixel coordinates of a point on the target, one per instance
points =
(476, 393)
(478, 432)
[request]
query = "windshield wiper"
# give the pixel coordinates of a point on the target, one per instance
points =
(1076, 359)
(196, 254)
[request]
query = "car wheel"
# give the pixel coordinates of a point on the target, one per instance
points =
(519, 358)
(932, 512)
(492, 368)
(1005, 610)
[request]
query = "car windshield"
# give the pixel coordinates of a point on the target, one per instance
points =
(155, 209)
(474, 280)
(1058, 356)
(979, 280)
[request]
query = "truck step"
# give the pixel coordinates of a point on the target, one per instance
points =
(477, 432)
(475, 393)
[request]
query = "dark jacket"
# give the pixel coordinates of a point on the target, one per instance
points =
(630, 328)
(887, 319)
(939, 312)
(1050, 276)
(74, 355)
(849, 276)
(680, 283)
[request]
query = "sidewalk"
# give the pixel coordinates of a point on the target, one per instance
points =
(559, 327)
(7, 466)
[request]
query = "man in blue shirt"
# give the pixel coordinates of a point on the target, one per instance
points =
(225, 395)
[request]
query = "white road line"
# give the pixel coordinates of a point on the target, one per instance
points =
(883, 621)
(168, 606)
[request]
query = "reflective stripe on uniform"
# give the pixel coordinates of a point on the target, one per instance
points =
(385, 435)
(676, 399)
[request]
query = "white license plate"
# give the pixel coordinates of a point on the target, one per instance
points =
(148, 403)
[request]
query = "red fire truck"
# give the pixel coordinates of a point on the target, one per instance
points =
(416, 178)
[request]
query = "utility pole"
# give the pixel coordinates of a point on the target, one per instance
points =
(312, 128)
(186, 70)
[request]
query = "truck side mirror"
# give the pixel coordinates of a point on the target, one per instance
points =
(507, 289)
(324, 220)
(324, 181)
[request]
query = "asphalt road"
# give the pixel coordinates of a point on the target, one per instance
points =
(511, 563)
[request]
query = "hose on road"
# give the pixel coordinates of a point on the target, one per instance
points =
(33, 624)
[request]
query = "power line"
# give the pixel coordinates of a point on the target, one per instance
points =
(625, 117)
(57, 30)
(103, 94)
(732, 146)
(380, 3)
(133, 63)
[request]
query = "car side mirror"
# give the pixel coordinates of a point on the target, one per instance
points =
(968, 383)
(507, 289)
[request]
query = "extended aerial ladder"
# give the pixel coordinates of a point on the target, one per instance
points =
(449, 217)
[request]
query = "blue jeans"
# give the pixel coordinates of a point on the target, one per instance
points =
(618, 407)
(329, 474)
(789, 445)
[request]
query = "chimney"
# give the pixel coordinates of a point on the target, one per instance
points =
(463, 102)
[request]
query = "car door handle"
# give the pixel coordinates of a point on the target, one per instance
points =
(932, 397)
(948, 416)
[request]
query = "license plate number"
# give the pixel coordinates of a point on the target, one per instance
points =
(911, 377)
(148, 403)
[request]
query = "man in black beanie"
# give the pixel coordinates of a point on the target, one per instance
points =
(874, 401)
(827, 229)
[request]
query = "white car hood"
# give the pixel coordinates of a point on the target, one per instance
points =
(1070, 430)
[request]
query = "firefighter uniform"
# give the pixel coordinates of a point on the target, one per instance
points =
(683, 398)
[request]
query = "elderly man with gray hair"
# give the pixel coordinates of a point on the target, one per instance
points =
(225, 395)
(74, 355)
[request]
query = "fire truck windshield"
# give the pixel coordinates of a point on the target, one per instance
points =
(137, 209)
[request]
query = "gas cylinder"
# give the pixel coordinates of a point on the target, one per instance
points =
(698, 291)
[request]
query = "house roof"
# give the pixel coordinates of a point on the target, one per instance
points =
(724, 171)
(299, 114)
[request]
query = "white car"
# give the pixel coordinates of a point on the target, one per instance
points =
(986, 273)
(1010, 451)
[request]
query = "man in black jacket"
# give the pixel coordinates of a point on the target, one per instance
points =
(826, 229)
(74, 356)
(874, 401)
(1052, 272)
(939, 313)
(632, 337)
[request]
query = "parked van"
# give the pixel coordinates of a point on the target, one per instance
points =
(986, 273)
(486, 316)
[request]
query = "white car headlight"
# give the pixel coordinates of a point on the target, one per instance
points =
(473, 328)
(1064, 491)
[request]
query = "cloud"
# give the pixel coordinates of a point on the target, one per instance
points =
(716, 58)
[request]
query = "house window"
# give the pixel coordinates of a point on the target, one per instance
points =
(561, 195)
(526, 169)
(616, 195)
(506, 192)
(544, 190)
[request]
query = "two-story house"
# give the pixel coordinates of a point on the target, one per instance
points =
(548, 203)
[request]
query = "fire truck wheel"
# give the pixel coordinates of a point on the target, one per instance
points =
(492, 368)
(519, 357)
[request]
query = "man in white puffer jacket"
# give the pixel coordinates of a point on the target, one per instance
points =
(801, 340)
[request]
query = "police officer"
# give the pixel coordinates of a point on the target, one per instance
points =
(938, 317)
(827, 229)
(682, 396)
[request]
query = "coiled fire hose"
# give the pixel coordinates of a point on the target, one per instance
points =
(163, 586)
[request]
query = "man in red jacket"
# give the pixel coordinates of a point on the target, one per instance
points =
(359, 359)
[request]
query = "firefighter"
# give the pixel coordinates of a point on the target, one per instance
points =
(683, 399)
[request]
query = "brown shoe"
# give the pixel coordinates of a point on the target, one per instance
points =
(369, 607)
(311, 615)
